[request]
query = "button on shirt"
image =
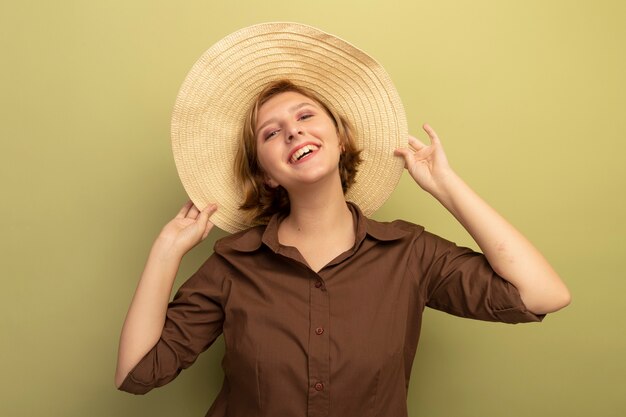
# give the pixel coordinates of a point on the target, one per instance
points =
(336, 343)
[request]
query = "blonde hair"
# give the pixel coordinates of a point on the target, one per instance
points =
(262, 201)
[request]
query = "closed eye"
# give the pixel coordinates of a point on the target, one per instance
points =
(270, 134)
(273, 132)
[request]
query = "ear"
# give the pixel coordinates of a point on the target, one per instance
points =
(270, 182)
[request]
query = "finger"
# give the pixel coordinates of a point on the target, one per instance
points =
(193, 212)
(431, 133)
(203, 219)
(415, 143)
(404, 153)
(206, 213)
(424, 153)
(184, 210)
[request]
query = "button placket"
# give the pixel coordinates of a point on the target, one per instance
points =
(319, 349)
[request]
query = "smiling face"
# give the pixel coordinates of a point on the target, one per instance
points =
(268, 119)
(297, 141)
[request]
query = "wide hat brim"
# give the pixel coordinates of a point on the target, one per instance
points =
(221, 86)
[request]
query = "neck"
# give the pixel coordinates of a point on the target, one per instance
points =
(318, 208)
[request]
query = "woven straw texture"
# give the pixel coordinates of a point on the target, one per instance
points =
(221, 86)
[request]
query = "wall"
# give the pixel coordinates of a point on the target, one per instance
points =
(527, 97)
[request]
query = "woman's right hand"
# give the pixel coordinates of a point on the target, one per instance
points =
(187, 229)
(146, 315)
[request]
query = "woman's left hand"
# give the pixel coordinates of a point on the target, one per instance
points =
(427, 165)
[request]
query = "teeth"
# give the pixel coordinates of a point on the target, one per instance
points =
(302, 151)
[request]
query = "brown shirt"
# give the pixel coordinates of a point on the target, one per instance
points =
(339, 342)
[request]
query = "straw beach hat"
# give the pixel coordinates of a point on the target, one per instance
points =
(222, 85)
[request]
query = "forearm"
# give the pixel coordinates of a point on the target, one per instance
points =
(146, 314)
(509, 253)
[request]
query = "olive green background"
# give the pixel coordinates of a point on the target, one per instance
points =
(528, 98)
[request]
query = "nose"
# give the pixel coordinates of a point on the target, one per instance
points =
(293, 131)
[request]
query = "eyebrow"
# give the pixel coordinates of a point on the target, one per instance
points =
(292, 109)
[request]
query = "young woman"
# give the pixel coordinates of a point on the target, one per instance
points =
(320, 306)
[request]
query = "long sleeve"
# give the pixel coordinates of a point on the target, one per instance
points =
(461, 282)
(193, 322)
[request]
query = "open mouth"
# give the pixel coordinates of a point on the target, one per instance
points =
(302, 153)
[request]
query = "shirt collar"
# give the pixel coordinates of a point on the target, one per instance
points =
(251, 239)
